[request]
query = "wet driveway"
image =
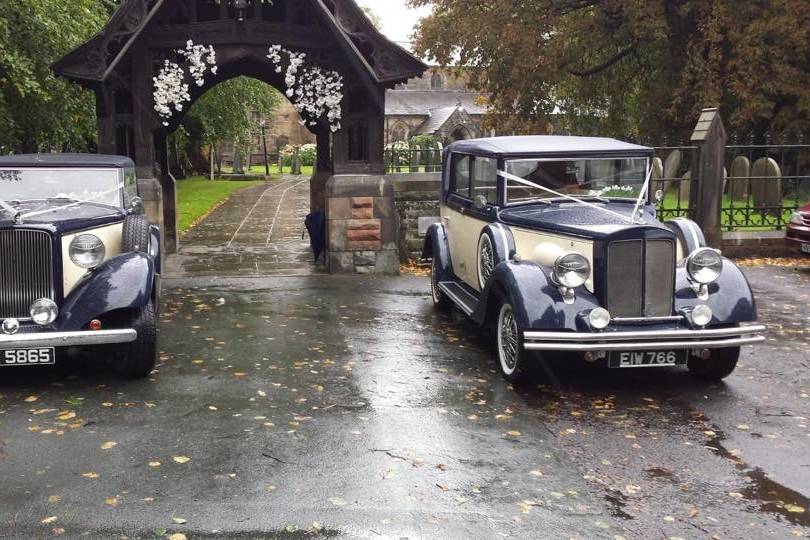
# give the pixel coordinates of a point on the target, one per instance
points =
(327, 406)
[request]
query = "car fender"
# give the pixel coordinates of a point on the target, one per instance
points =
(437, 247)
(730, 297)
(124, 282)
(503, 242)
(154, 246)
(689, 234)
(537, 302)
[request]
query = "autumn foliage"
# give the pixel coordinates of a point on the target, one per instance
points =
(636, 69)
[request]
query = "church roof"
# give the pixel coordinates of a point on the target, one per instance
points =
(423, 102)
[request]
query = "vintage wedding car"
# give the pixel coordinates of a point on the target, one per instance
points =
(79, 262)
(555, 241)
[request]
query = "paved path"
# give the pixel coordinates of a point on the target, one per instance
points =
(257, 232)
(347, 407)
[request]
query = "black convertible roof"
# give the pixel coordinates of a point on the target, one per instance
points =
(94, 161)
(546, 144)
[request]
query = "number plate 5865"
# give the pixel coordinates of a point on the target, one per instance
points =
(28, 357)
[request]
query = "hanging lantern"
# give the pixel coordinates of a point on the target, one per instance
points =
(240, 6)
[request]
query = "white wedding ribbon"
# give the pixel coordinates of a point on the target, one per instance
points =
(528, 183)
(71, 205)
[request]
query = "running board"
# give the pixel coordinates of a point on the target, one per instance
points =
(464, 299)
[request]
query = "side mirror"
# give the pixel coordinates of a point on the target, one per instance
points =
(136, 206)
(480, 202)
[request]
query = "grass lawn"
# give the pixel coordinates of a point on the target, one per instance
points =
(306, 170)
(197, 196)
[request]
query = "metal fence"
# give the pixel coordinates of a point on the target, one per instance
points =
(672, 175)
(412, 160)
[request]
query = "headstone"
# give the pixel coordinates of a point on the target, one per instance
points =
(684, 188)
(766, 185)
(671, 166)
(657, 175)
(739, 179)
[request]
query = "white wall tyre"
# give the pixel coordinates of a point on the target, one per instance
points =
(440, 300)
(486, 260)
(511, 356)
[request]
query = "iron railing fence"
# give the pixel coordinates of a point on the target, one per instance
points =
(764, 185)
(672, 174)
(412, 160)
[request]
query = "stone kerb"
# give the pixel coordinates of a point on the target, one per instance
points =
(361, 225)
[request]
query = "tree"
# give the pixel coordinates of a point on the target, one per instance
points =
(640, 70)
(229, 112)
(373, 17)
(37, 110)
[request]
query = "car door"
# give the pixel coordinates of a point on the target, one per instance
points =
(462, 217)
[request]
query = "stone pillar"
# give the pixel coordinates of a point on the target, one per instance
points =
(323, 172)
(361, 225)
(707, 196)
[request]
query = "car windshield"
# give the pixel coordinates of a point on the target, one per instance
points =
(93, 185)
(580, 178)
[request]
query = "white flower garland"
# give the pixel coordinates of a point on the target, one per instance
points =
(171, 89)
(313, 91)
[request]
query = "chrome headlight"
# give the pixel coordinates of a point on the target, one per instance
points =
(44, 311)
(704, 265)
(702, 315)
(87, 251)
(599, 318)
(796, 219)
(572, 270)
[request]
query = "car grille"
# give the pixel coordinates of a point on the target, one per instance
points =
(805, 218)
(26, 271)
(640, 278)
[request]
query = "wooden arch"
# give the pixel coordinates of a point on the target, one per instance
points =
(120, 62)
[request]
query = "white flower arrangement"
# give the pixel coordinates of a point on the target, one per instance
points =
(614, 191)
(171, 89)
(314, 92)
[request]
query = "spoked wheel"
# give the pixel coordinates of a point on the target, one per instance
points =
(486, 260)
(721, 364)
(511, 355)
(440, 300)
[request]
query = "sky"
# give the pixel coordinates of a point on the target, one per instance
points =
(398, 19)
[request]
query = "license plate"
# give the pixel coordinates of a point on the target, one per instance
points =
(637, 359)
(28, 357)
(805, 248)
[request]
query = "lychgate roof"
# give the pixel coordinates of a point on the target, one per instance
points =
(387, 63)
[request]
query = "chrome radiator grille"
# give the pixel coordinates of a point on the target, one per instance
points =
(640, 278)
(26, 271)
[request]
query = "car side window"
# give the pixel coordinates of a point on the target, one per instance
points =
(130, 186)
(485, 179)
(460, 175)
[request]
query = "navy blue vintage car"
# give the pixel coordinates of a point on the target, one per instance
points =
(79, 262)
(555, 242)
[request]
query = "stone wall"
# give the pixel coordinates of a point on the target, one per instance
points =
(361, 225)
(417, 206)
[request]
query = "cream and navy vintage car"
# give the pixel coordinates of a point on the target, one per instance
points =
(79, 262)
(555, 241)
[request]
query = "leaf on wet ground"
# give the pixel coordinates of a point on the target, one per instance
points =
(49, 520)
(31, 399)
(794, 508)
(91, 475)
(177, 536)
(109, 445)
(514, 433)
(111, 502)
(337, 501)
(154, 464)
(178, 521)
(181, 459)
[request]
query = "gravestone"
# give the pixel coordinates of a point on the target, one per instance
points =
(671, 166)
(766, 185)
(658, 174)
(684, 189)
(739, 178)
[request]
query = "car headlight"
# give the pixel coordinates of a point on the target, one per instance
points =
(44, 311)
(704, 265)
(572, 270)
(87, 251)
(702, 315)
(796, 219)
(599, 318)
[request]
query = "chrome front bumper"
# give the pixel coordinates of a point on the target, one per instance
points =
(67, 339)
(652, 340)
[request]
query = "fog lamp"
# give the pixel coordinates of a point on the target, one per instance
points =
(702, 315)
(44, 311)
(11, 326)
(599, 318)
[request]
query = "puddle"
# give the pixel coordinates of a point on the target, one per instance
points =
(769, 495)
(617, 502)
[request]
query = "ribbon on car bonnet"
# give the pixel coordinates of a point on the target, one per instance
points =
(528, 183)
(77, 202)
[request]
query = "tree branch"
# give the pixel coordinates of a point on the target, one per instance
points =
(603, 66)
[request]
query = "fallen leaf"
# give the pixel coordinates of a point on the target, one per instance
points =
(337, 501)
(67, 415)
(536, 473)
(154, 464)
(181, 459)
(30, 399)
(90, 475)
(631, 489)
(744, 427)
(178, 521)
(57, 531)
(177, 536)
(514, 433)
(48, 520)
(109, 445)
(54, 499)
(113, 502)
(794, 509)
